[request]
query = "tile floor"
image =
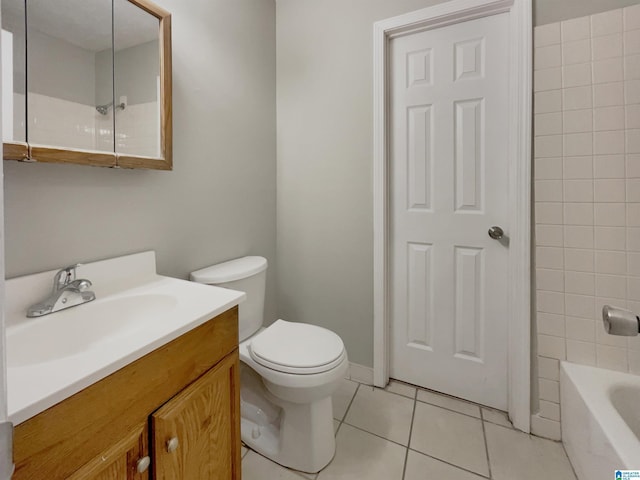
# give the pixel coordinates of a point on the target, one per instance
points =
(404, 433)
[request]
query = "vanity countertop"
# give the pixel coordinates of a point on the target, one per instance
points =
(136, 311)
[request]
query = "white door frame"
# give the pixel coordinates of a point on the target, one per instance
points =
(519, 145)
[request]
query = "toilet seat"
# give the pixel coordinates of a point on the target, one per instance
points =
(297, 348)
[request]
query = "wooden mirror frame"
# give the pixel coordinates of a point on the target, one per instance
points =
(165, 162)
(25, 152)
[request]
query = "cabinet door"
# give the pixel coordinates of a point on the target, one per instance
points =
(121, 461)
(196, 434)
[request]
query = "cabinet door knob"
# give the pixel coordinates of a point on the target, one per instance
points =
(143, 464)
(173, 444)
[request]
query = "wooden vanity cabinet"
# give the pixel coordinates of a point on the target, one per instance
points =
(195, 434)
(120, 462)
(179, 405)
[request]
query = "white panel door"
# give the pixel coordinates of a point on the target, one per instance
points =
(449, 172)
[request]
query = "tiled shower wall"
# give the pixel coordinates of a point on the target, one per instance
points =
(587, 195)
(53, 121)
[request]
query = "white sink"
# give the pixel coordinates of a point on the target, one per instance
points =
(88, 326)
(135, 312)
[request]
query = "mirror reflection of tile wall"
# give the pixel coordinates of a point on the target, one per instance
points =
(71, 75)
(64, 87)
(137, 80)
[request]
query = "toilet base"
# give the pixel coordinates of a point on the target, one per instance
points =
(296, 435)
(303, 440)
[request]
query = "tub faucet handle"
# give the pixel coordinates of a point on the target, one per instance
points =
(618, 321)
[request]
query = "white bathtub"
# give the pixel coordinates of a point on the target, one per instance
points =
(600, 412)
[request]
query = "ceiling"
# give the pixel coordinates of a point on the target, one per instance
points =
(87, 23)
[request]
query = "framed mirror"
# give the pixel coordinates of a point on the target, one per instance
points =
(142, 84)
(64, 41)
(98, 83)
(14, 80)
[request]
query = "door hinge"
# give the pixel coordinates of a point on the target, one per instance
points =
(6, 450)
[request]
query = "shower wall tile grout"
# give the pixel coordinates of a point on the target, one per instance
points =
(587, 194)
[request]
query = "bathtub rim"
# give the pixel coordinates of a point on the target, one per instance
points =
(594, 385)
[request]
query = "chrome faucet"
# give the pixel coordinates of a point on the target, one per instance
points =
(67, 292)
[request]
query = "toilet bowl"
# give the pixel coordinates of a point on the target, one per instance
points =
(288, 372)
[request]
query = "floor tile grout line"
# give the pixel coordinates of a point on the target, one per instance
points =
(445, 395)
(350, 403)
(296, 472)
(481, 417)
(375, 435)
(500, 425)
(480, 407)
(415, 389)
(575, 475)
(341, 421)
(449, 463)
(406, 453)
(407, 447)
(486, 444)
(317, 477)
(395, 393)
(483, 411)
(512, 428)
(449, 409)
(417, 451)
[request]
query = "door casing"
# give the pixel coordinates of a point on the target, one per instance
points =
(519, 146)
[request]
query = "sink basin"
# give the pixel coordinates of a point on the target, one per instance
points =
(91, 325)
(136, 312)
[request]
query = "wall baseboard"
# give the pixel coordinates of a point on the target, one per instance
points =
(360, 373)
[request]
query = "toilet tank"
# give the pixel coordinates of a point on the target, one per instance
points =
(248, 275)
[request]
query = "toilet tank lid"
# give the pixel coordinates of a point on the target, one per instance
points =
(230, 271)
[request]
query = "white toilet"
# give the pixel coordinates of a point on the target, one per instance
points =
(288, 372)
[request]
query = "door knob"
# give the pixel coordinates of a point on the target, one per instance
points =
(172, 444)
(496, 232)
(143, 464)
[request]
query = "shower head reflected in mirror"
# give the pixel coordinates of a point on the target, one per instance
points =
(104, 109)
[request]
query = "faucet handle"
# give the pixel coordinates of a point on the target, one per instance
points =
(65, 276)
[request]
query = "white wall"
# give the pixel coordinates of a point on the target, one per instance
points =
(325, 237)
(59, 69)
(325, 210)
(217, 204)
(136, 69)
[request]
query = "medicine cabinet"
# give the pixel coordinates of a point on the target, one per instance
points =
(87, 82)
